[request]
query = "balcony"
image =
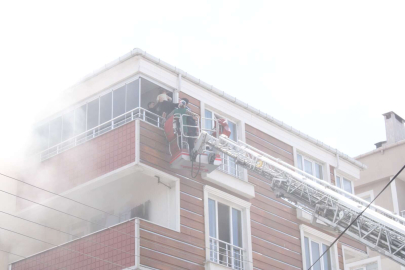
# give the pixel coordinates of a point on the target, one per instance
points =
(138, 113)
(133, 244)
(226, 254)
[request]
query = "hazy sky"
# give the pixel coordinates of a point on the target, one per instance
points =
(328, 68)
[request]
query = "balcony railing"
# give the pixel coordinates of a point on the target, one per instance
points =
(138, 113)
(226, 254)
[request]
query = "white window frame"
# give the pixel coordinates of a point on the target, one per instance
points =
(366, 194)
(319, 237)
(341, 184)
(362, 264)
(238, 169)
(324, 177)
(233, 202)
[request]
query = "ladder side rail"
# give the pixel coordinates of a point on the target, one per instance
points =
(314, 184)
(326, 184)
(338, 210)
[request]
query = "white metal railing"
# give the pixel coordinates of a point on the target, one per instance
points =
(137, 113)
(226, 254)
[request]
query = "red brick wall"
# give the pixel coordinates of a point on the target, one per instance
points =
(114, 249)
(87, 161)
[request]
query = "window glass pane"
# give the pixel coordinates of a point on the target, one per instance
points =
(212, 218)
(55, 132)
(119, 101)
(237, 227)
(132, 95)
(372, 266)
(68, 125)
(105, 107)
(42, 137)
(318, 171)
(338, 184)
(326, 258)
(224, 223)
(208, 120)
(347, 185)
(299, 161)
(307, 166)
(92, 114)
(315, 255)
(232, 127)
(80, 119)
(307, 253)
(149, 92)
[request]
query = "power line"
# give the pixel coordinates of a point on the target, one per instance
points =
(361, 213)
(75, 251)
(59, 230)
(56, 194)
(20, 197)
(13, 178)
(25, 257)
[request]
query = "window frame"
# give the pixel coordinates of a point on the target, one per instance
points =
(341, 182)
(238, 170)
(313, 161)
(320, 238)
(238, 204)
(362, 263)
(365, 194)
(85, 102)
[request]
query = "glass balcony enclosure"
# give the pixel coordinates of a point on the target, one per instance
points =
(96, 116)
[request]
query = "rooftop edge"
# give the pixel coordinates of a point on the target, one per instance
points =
(211, 88)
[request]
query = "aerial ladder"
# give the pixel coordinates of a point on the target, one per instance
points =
(377, 228)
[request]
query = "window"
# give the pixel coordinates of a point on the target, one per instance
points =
(315, 243)
(228, 225)
(313, 250)
(97, 112)
(367, 196)
(344, 184)
(229, 165)
(225, 234)
(309, 166)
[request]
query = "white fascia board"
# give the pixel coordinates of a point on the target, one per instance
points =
(174, 70)
(236, 112)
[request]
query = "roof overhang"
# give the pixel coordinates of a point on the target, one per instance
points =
(212, 89)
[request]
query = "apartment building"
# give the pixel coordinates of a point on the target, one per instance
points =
(383, 163)
(106, 149)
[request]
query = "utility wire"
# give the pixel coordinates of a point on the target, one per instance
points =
(75, 251)
(48, 227)
(109, 228)
(56, 194)
(361, 213)
(26, 258)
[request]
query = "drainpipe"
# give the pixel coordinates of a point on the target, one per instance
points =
(337, 160)
(176, 91)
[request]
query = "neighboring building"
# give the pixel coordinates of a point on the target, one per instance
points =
(383, 163)
(104, 149)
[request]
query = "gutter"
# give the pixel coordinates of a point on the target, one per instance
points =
(380, 149)
(212, 89)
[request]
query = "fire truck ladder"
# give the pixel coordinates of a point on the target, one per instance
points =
(377, 228)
